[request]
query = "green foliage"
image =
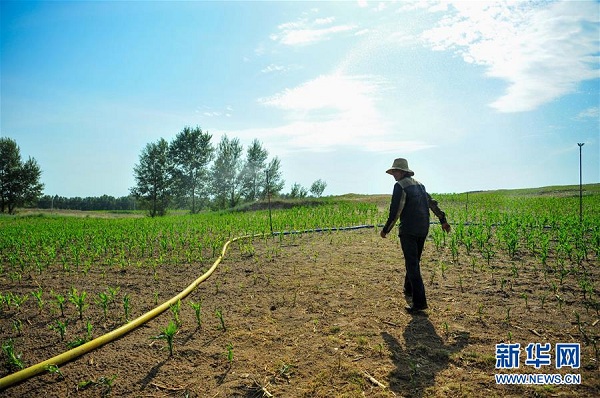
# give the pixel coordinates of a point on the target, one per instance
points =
(230, 353)
(190, 152)
(219, 315)
(60, 327)
(60, 303)
(39, 299)
(318, 187)
(78, 300)
(298, 191)
(198, 312)
(175, 310)
(13, 359)
(168, 334)
(103, 300)
(19, 181)
(153, 176)
(253, 174)
(227, 173)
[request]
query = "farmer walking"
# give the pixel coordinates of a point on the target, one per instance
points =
(411, 204)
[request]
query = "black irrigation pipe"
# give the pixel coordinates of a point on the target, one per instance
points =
(355, 227)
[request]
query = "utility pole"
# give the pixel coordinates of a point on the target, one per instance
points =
(580, 185)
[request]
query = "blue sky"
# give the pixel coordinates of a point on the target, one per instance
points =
(476, 95)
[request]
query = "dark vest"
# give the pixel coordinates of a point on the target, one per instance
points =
(414, 219)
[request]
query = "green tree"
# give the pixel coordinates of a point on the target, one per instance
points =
(253, 175)
(318, 187)
(153, 176)
(19, 181)
(298, 191)
(226, 172)
(273, 183)
(191, 152)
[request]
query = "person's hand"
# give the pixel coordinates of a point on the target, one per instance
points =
(446, 227)
(382, 234)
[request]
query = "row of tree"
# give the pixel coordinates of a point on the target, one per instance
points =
(191, 171)
(104, 202)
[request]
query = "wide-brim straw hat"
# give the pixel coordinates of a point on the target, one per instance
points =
(400, 164)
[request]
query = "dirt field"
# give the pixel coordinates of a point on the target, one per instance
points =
(316, 315)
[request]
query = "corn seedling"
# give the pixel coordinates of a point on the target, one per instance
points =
(14, 359)
(230, 353)
(78, 301)
(175, 309)
(76, 343)
(88, 328)
(103, 301)
(105, 382)
(60, 303)
(112, 293)
(38, 296)
(17, 325)
(454, 248)
(443, 268)
(6, 299)
(53, 369)
(198, 312)
(480, 312)
(488, 254)
(126, 306)
(17, 301)
(60, 327)
(543, 299)
(524, 296)
(413, 370)
(168, 334)
(219, 314)
(286, 370)
(561, 301)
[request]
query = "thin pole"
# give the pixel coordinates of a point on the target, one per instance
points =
(580, 185)
(269, 199)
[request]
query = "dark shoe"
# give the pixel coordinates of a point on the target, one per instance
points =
(413, 309)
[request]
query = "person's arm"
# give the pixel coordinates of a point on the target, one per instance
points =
(396, 207)
(433, 205)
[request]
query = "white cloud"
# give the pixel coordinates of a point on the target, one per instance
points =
(210, 112)
(304, 32)
(542, 51)
(589, 113)
(324, 21)
(334, 111)
(340, 92)
(275, 68)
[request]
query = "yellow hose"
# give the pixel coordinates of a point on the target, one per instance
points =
(67, 356)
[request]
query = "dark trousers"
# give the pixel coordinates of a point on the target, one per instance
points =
(412, 247)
